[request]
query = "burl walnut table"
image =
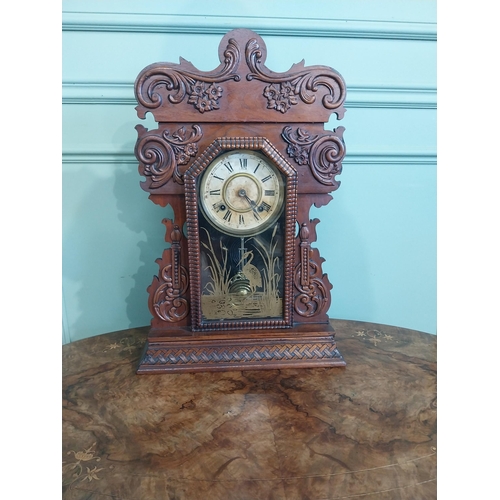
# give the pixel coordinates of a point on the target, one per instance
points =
(364, 431)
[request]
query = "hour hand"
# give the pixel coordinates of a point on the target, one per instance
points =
(243, 194)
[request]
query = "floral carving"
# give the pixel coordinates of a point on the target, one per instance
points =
(161, 154)
(281, 98)
(184, 146)
(181, 80)
(205, 97)
(299, 81)
(323, 153)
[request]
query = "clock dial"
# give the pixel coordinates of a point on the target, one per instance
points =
(241, 193)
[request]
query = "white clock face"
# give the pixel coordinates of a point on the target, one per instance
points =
(241, 193)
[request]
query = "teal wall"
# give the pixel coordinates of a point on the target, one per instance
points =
(378, 235)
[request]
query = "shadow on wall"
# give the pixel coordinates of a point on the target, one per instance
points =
(346, 262)
(110, 248)
(141, 215)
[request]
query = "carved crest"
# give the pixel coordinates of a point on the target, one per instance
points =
(240, 88)
(302, 82)
(177, 81)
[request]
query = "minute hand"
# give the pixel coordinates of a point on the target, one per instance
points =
(252, 203)
(243, 194)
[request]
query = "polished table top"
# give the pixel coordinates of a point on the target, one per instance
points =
(367, 431)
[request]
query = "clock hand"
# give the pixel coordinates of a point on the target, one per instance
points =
(243, 194)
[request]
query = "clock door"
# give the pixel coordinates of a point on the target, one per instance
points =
(241, 234)
(241, 277)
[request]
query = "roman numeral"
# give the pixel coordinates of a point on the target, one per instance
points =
(265, 206)
(269, 192)
(257, 168)
(228, 166)
(227, 216)
(265, 179)
(241, 219)
(217, 177)
(215, 192)
(243, 163)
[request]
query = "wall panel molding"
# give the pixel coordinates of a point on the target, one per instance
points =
(357, 96)
(270, 26)
(391, 97)
(354, 158)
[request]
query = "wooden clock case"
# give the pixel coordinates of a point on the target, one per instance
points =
(239, 105)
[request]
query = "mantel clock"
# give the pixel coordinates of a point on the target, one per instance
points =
(241, 155)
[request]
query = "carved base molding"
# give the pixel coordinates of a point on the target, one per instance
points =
(293, 348)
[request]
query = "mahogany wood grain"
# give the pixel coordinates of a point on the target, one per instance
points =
(364, 431)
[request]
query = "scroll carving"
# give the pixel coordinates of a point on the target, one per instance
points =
(302, 82)
(161, 154)
(314, 294)
(184, 79)
(323, 153)
(168, 300)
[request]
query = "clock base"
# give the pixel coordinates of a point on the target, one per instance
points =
(180, 350)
